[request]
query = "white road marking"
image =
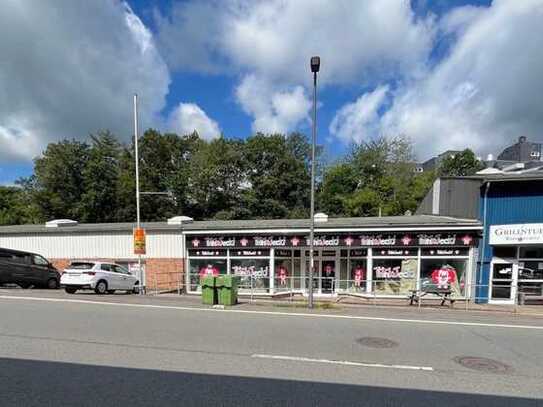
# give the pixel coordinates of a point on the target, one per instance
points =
(341, 362)
(276, 313)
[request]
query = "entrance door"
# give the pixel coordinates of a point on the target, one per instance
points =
(502, 289)
(328, 276)
(324, 276)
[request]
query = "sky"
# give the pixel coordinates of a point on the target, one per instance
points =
(448, 74)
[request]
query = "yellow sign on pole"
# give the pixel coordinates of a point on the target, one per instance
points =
(139, 241)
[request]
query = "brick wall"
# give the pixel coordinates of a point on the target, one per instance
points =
(60, 264)
(160, 274)
(164, 274)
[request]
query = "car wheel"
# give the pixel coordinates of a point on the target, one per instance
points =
(101, 287)
(136, 288)
(70, 290)
(111, 291)
(23, 285)
(52, 283)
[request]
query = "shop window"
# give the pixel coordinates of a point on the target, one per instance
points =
(254, 273)
(444, 273)
(394, 275)
(530, 270)
(535, 252)
(505, 251)
(201, 267)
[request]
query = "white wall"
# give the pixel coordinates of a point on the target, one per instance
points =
(115, 245)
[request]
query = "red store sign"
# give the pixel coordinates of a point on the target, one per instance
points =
(337, 240)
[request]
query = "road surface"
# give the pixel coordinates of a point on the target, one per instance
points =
(55, 351)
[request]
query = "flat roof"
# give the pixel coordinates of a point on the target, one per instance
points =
(526, 175)
(406, 222)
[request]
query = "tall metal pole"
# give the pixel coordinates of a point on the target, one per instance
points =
(138, 219)
(312, 214)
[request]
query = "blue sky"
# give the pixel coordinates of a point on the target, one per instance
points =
(445, 73)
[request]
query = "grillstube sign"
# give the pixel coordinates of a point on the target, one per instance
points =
(527, 233)
(335, 240)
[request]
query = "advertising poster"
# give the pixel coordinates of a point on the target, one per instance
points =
(139, 241)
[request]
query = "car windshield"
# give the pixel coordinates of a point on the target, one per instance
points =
(81, 266)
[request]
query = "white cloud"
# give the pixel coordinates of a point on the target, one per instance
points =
(485, 93)
(271, 42)
(358, 121)
(188, 117)
(273, 111)
(70, 68)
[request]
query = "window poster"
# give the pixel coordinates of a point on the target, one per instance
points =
(444, 274)
(358, 274)
(394, 276)
(254, 273)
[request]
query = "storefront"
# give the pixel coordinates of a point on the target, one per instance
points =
(381, 261)
(517, 262)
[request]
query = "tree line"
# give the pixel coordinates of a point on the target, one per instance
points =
(263, 176)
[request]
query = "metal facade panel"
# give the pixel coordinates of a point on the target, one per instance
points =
(459, 197)
(508, 203)
(95, 245)
(425, 207)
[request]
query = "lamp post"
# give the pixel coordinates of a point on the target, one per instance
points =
(315, 66)
(138, 219)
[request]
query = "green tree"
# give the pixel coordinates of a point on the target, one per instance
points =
(339, 183)
(461, 164)
(164, 167)
(58, 182)
(15, 208)
(377, 177)
(278, 174)
(216, 181)
(100, 200)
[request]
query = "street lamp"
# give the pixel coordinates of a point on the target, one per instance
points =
(315, 66)
(138, 218)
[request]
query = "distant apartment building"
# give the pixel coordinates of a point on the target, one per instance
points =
(522, 151)
(435, 162)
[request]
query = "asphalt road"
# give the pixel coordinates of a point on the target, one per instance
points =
(57, 353)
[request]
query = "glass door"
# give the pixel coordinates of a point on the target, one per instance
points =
(327, 276)
(502, 289)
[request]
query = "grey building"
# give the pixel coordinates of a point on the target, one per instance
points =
(435, 162)
(522, 151)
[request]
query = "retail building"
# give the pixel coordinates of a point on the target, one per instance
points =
(380, 256)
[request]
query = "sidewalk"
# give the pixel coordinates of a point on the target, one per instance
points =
(353, 303)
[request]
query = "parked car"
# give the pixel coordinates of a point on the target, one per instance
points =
(102, 277)
(27, 269)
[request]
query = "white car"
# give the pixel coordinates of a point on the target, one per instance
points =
(102, 277)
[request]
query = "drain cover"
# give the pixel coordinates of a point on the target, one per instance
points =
(482, 364)
(375, 342)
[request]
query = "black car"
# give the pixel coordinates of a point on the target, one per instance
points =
(27, 269)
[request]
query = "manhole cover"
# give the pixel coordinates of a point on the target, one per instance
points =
(482, 364)
(374, 342)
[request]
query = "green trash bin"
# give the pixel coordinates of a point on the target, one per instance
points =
(227, 287)
(209, 292)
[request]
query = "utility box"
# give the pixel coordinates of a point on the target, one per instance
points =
(209, 291)
(227, 288)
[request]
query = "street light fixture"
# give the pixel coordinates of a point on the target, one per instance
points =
(315, 66)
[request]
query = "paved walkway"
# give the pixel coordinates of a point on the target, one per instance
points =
(351, 304)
